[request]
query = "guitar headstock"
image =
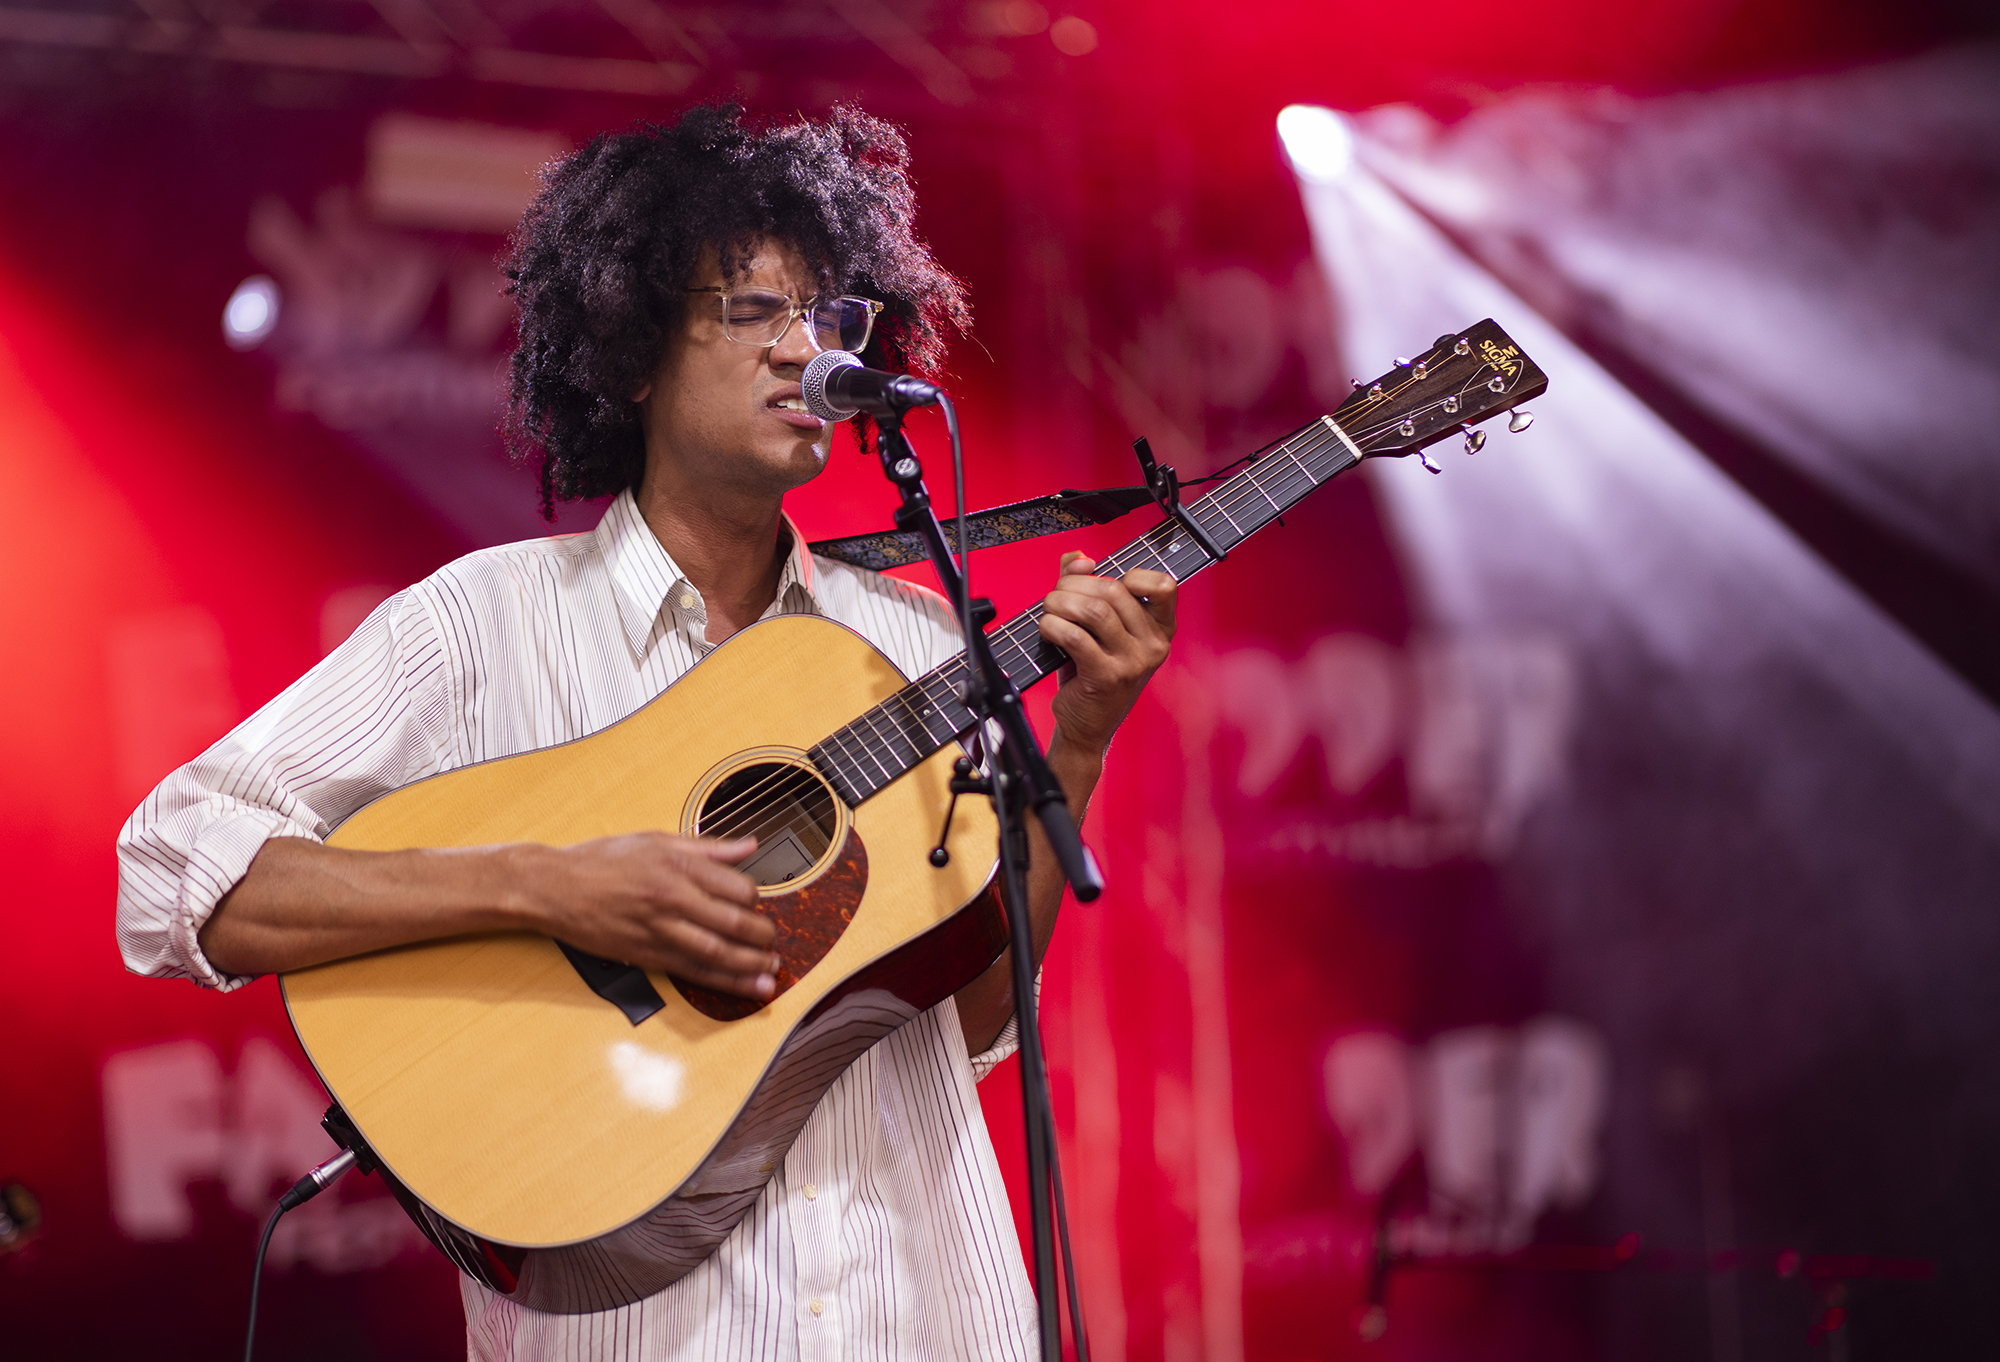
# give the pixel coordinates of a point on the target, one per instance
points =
(1464, 378)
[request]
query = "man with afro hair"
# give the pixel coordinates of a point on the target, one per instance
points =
(673, 283)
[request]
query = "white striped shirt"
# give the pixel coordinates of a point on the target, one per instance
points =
(886, 1232)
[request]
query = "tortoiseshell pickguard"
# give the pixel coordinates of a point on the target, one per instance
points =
(809, 921)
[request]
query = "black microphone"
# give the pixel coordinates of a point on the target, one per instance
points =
(836, 386)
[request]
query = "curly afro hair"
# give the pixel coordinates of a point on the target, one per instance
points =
(601, 258)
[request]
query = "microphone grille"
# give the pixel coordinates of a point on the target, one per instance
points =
(813, 384)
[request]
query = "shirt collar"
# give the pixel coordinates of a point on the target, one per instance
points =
(648, 581)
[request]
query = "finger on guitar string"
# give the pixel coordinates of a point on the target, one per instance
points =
(711, 864)
(1143, 598)
(1157, 593)
(706, 958)
(664, 902)
(760, 987)
(1115, 641)
(686, 949)
(731, 926)
(1135, 634)
(1085, 652)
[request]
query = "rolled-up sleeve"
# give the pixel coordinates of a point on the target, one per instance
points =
(375, 714)
(1007, 1042)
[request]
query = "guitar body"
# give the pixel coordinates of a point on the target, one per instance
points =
(553, 1148)
(580, 1145)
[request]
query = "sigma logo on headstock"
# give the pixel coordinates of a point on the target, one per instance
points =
(1505, 358)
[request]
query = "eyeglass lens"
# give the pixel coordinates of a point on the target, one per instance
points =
(759, 317)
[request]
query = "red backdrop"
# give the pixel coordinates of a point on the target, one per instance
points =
(180, 546)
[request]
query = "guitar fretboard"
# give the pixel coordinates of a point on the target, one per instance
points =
(886, 741)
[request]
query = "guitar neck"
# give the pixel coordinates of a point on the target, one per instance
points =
(883, 743)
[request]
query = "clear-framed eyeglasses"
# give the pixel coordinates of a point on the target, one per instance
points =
(761, 316)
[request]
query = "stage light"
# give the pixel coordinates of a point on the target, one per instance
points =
(1317, 142)
(1007, 18)
(251, 313)
(1072, 36)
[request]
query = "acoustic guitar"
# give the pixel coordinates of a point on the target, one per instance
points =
(579, 1133)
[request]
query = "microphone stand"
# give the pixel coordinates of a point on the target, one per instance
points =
(1020, 781)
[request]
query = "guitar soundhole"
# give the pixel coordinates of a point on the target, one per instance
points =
(789, 810)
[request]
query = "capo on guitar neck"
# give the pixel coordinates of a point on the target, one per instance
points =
(1165, 485)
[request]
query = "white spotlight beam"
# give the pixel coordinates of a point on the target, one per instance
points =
(1317, 141)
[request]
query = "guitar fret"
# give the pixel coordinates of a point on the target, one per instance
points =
(890, 736)
(881, 744)
(882, 733)
(1159, 559)
(859, 751)
(907, 718)
(863, 740)
(863, 781)
(855, 748)
(935, 711)
(833, 756)
(826, 756)
(1299, 468)
(1021, 659)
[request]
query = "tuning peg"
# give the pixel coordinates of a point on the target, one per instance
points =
(1475, 440)
(1402, 362)
(1424, 458)
(1520, 420)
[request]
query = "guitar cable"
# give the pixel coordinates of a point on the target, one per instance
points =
(304, 1190)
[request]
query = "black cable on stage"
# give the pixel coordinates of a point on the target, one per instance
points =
(304, 1190)
(964, 601)
(257, 1280)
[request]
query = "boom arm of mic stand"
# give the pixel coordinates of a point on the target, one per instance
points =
(1002, 697)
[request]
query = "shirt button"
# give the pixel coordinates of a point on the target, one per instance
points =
(815, 1306)
(812, 1191)
(687, 600)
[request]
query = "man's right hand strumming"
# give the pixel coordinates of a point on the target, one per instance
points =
(652, 899)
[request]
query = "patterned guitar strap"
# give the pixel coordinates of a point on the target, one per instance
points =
(1066, 510)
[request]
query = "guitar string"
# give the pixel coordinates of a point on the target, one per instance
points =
(878, 716)
(793, 783)
(1226, 499)
(731, 818)
(1313, 445)
(706, 817)
(729, 813)
(888, 732)
(779, 816)
(1168, 555)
